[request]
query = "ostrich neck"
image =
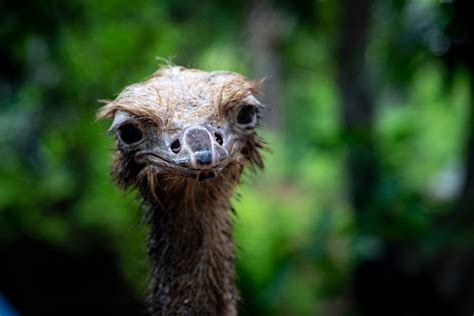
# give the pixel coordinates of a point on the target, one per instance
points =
(191, 252)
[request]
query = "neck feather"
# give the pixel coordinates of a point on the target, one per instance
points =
(190, 246)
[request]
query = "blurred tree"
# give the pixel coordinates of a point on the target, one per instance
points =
(460, 56)
(266, 31)
(52, 264)
(399, 279)
(456, 260)
(357, 104)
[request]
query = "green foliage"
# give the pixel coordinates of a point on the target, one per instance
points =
(294, 223)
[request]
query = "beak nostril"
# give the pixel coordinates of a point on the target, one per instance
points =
(176, 146)
(218, 138)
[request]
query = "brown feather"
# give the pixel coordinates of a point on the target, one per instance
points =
(190, 242)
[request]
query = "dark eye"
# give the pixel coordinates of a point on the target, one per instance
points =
(246, 115)
(130, 134)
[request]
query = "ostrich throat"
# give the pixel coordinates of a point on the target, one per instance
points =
(190, 246)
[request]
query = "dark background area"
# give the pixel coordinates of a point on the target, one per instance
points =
(366, 206)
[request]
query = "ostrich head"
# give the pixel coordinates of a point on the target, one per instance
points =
(184, 124)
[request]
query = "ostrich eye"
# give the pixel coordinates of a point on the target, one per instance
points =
(130, 134)
(246, 115)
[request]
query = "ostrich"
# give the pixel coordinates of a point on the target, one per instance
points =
(183, 137)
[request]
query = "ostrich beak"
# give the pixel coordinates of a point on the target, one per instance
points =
(201, 148)
(200, 151)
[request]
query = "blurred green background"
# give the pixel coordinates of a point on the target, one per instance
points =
(365, 207)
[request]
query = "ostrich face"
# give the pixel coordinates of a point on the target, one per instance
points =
(186, 122)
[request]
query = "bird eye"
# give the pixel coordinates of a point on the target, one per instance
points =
(246, 115)
(130, 134)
